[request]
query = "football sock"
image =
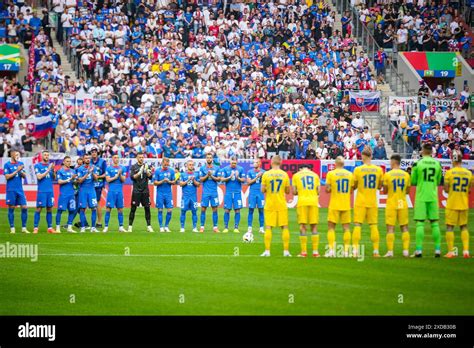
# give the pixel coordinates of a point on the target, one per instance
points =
(58, 217)
(304, 243)
(70, 217)
(168, 218)
(107, 218)
(268, 239)
(148, 216)
(120, 218)
(237, 219)
(356, 235)
(375, 237)
(331, 238)
(390, 241)
(226, 219)
(465, 239)
(450, 240)
(315, 241)
(194, 218)
(182, 218)
(82, 216)
(36, 218)
(24, 217)
(214, 218)
(131, 217)
(286, 239)
(11, 217)
(203, 218)
(93, 217)
(406, 240)
(250, 217)
(436, 235)
(261, 217)
(420, 235)
(49, 218)
(160, 218)
(347, 240)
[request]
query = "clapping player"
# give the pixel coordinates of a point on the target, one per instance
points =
(87, 196)
(163, 179)
(67, 200)
(115, 176)
(45, 196)
(233, 176)
(189, 182)
(209, 176)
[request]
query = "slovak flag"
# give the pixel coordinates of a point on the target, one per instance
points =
(364, 101)
(40, 126)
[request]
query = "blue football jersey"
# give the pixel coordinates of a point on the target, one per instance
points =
(160, 174)
(15, 183)
(88, 183)
(257, 185)
(189, 190)
(117, 184)
(66, 174)
(209, 187)
(101, 167)
(45, 184)
(233, 185)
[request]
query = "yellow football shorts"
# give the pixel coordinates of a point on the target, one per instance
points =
(308, 214)
(342, 216)
(394, 215)
(456, 217)
(275, 218)
(363, 214)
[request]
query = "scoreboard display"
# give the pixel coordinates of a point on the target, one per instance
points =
(435, 64)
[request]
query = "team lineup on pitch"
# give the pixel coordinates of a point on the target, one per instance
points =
(81, 187)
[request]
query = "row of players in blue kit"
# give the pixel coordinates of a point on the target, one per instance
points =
(79, 190)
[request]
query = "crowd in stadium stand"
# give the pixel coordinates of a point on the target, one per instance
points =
(180, 80)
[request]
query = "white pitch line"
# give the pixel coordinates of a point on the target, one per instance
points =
(148, 242)
(147, 255)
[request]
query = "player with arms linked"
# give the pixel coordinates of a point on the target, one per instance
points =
(209, 176)
(14, 173)
(140, 174)
(45, 196)
(396, 184)
(233, 176)
(67, 201)
(163, 179)
(115, 176)
(256, 197)
(426, 175)
(457, 183)
(275, 185)
(189, 182)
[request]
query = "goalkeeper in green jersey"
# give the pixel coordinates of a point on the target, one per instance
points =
(426, 175)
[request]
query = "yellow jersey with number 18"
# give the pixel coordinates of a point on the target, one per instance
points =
(275, 182)
(368, 178)
(397, 182)
(460, 181)
(340, 181)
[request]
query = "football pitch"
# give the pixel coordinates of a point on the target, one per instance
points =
(189, 273)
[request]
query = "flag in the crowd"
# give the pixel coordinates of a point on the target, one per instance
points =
(41, 126)
(364, 101)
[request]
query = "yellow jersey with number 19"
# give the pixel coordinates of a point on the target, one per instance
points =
(275, 182)
(307, 185)
(340, 181)
(460, 181)
(397, 182)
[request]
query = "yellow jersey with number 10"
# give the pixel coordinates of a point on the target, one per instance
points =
(307, 184)
(275, 181)
(460, 181)
(398, 183)
(368, 178)
(340, 181)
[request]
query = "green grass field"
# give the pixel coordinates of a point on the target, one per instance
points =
(200, 274)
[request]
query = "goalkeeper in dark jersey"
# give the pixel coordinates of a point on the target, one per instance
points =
(140, 173)
(426, 175)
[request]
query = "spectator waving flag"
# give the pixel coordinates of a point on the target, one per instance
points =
(40, 126)
(364, 101)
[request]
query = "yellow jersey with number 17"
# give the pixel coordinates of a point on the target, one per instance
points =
(397, 182)
(368, 178)
(340, 181)
(307, 185)
(460, 181)
(275, 182)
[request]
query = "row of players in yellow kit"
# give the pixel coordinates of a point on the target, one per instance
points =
(367, 180)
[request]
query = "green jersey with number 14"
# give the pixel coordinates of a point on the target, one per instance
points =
(426, 175)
